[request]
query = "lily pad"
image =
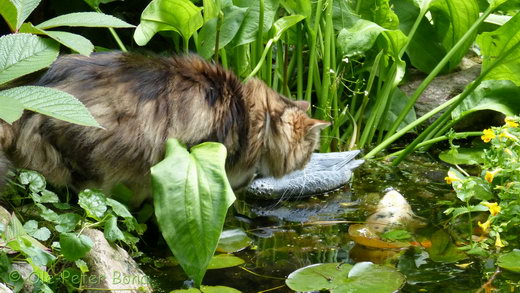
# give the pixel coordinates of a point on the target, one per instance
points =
(233, 240)
(222, 261)
(345, 278)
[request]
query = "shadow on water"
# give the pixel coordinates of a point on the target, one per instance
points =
(287, 235)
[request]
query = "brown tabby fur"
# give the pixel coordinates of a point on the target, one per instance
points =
(141, 102)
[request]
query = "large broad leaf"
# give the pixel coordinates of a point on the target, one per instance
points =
(52, 102)
(302, 7)
(75, 42)
(497, 43)
(88, 19)
(191, 198)
(463, 156)
(10, 109)
(181, 16)
(398, 102)
(379, 11)
(443, 249)
(15, 12)
(249, 29)
(450, 20)
(358, 38)
(510, 261)
(233, 17)
(498, 95)
(74, 247)
(22, 54)
(363, 277)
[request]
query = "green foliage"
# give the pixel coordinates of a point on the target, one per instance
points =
(338, 277)
(52, 233)
(497, 191)
(191, 199)
(22, 54)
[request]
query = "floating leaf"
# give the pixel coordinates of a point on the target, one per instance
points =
(21, 54)
(338, 277)
(443, 249)
(191, 199)
(233, 240)
(222, 261)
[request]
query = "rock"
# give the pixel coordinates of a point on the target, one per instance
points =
(4, 289)
(441, 89)
(111, 269)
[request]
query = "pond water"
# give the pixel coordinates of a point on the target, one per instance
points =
(287, 235)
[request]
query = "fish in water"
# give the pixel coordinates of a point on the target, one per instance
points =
(323, 173)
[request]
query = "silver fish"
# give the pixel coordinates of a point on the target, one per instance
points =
(323, 173)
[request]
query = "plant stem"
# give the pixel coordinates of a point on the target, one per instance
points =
(312, 58)
(424, 84)
(114, 34)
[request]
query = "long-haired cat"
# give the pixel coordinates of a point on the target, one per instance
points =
(141, 102)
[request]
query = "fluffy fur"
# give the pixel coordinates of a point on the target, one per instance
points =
(141, 102)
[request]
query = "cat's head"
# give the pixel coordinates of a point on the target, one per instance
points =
(288, 134)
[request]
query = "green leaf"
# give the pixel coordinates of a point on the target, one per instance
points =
(191, 199)
(396, 235)
(37, 255)
(233, 18)
(86, 19)
(249, 29)
(67, 222)
(379, 12)
(82, 265)
(497, 95)
(119, 208)
(34, 179)
(496, 3)
(398, 102)
(181, 16)
(31, 227)
(464, 156)
(233, 240)
(74, 247)
(49, 197)
(337, 277)
(218, 289)
(302, 7)
(449, 21)
(15, 12)
(222, 261)
(10, 109)
(21, 54)
(95, 3)
(93, 202)
(48, 214)
(112, 232)
(284, 23)
(75, 42)
(510, 261)
(52, 102)
(497, 43)
(443, 249)
(358, 38)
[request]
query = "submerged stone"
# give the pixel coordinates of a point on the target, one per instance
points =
(323, 173)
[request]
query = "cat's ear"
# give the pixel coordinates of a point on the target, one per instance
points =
(303, 105)
(316, 125)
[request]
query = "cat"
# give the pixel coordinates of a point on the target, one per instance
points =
(141, 102)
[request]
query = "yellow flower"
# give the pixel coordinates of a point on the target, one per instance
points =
(508, 135)
(493, 207)
(498, 241)
(490, 175)
(510, 121)
(451, 177)
(488, 135)
(485, 226)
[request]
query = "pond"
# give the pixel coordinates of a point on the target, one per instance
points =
(288, 235)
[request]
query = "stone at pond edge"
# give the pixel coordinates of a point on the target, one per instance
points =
(111, 268)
